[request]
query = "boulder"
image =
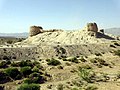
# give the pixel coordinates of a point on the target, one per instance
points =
(34, 30)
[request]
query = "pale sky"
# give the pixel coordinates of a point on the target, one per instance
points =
(19, 15)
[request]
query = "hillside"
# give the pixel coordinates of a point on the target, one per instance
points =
(86, 59)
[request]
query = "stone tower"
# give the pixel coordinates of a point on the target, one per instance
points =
(92, 27)
(34, 30)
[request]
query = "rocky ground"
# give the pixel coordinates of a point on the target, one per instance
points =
(81, 60)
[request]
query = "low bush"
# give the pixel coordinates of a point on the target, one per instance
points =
(86, 74)
(35, 69)
(3, 64)
(117, 52)
(60, 87)
(99, 62)
(29, 87)
(24, 63)
(4, 78)
(26, 70)
(2, 87)
(74, 59)
(13, 73)
(64, 59)
(36, 63)
(6, 57)
(53, 62)
(63, 51)
(91, 87)
(102, 62)
(35, 78)
(15, 64)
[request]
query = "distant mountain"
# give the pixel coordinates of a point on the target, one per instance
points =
(17, 35)
(114, 31)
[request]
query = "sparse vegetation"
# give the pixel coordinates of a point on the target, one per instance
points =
(99, 62)
(26, 71)
(60, 71)
(98, 54)
(3, 64)
(4, 78)
(35, 78)
(82, 59)
(13, 73)
(29, 87)
(86, 74)
(60, 87)
(35, 69)
(74, 59)
(53, 62)
(117, 52)
(91, 87)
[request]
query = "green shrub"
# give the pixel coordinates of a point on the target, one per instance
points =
(93, 60)
(60, 87)
(6, 57)
(64, 59)
(24, 63)
(29, 87)
(13, 73)
(117, 52)
(3, 64)
(63, 51)
(86, 74)
(35, 69)
(74, 59)
(8, 62)
(36, 63)
(102, 62)
(9, 41)
(35, 78)
(53, 62)
(4, 78)
(39, 66)
(99, 62)
(47, 60)
(26, 70)
(91, 87)
(15, 64)
(75, 89)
